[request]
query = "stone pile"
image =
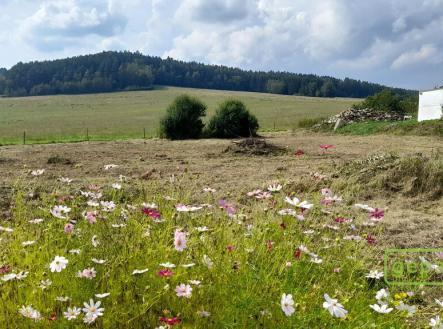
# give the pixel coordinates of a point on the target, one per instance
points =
(358, 115)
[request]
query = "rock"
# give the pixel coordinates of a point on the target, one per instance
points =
(358, 115)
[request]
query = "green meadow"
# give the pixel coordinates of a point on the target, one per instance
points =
(134, 114)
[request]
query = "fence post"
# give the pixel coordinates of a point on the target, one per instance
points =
(24, 137)
(87, 134)
(144, 133)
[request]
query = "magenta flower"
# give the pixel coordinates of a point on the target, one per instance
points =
(179, 240)
(151, 212)
(326, 146)
(165, 273)
(377, 214)
(69, 228)
(230, 209)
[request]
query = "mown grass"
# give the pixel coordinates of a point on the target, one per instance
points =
(252, 254)
(409, 127)
(126, 115)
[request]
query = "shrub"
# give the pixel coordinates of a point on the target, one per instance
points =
(183, 118)
(232, 119)
(387, 101)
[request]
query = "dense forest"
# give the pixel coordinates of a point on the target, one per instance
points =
(114, 71)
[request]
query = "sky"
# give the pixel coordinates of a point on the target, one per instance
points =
(394, 42)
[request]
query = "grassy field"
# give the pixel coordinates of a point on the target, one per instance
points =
(126, 114)
(228, 262)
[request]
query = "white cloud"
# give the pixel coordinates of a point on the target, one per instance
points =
(426, 53)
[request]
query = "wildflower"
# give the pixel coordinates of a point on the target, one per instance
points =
(364, 207)
(410, 309)
(188, 265)
(230, 209)
(326, 146)
(60, 211)
(269, 245)
(140, 271)
(170, 321)
(87, 273)
(93, 309)
(27, 243)
(287, 304)
(436, 323)
(5, 269)
(108, 206)
(65, 180)
(230, 248)
(207, 261)
(299, 152)
(44, 284)
(383, 309)
(58, 264)
(376, 214)
(202, 229)
(382, 294)
(370, 239)
(179, 240)
(183, 290)
(30, 312)
(334, 307)
(104, 295)
(165, 273)
(69, 228)
(439, 302)
(38, 172)
(167, 265)
(36, 221)
(151, 212)
(94, 241)
(72, 313)
(297, 253)
(184, 208)
(116, 186)
(195, 282)
(22, 275)
(62, 299)
(203, 314)
(209, 190)
(110, 166)
(297, 203)
(375, 274)
(75, 251)
(91, 216)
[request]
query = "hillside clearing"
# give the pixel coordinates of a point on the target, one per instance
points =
(124, 115)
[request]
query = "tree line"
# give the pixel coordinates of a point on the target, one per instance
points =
(115, 71)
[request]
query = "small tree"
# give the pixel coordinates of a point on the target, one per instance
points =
(384, 101)
(232, 119)
(183, 118)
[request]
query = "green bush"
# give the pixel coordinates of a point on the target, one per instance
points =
(183, 119)
(231, 120)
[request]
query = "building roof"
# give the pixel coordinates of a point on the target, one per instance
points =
(425, 91)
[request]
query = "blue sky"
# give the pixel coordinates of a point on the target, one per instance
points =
(394, 42)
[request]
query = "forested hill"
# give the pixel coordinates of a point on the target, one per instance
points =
(114, 71)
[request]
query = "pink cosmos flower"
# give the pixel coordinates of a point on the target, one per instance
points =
(371, 239)
(91, 217)
(228, 207)
(170, 321)
(299, 153)
(183, 290)
(165, 273)
(230, 248)
(69, 228)
(377, 215)
(151, 212)
(179, 240)
(326, 146)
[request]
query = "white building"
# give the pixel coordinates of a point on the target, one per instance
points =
(430, 105)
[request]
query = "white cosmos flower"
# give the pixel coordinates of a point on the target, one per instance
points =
(98, 261)
(167, 265)
(87, 273)
(383, 309)
(30, 312)
(364, 207)
(94, 241)
(27, 243)
(209, 190)
(183, 290)
(63, 299)
(375, 274)
(207, 261)
(185, 208)
(287, 304)
(93, 309)
(60, 211)
(21, 275)
(58, 264)
(6, 229)
(439, 302)
(110, 166)
(9, 277)
(436, 323)
(104, 295)
(195, 282)
(72, 313)
(411, 309)
(38, 172)
(108, 206)
(36, 221)
(74, 251)
(65, 180)
(188, 265)
(117, 186)
(316, 260)
(202, 229)
(274, 188)
(44, 284)
(334, 307)
(203, 314)
(287, 212)
(297, 203)
(140, 271)
(382, 294)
